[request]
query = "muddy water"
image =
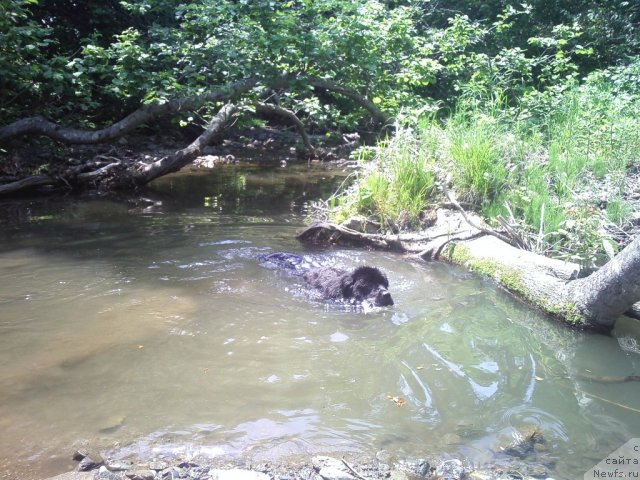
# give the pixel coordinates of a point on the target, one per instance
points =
(144, 326)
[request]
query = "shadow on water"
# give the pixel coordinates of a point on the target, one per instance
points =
(148, 322)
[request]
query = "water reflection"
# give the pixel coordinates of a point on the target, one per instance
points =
(148, 322)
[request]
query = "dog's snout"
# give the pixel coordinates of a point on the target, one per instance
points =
(384, 299)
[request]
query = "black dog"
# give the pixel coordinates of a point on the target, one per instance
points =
(364, 284)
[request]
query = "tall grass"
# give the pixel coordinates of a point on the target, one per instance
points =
(396, 184)
(561, 175)
(478, 162)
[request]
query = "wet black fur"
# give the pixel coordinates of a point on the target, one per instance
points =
(364, 284)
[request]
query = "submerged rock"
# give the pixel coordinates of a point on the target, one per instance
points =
(118, 465)
(398, 475)
(73, 476)
(158, 465)
(451, 470)
(112, 423)
(384, 466)
(104, 474)
(331, 469)
(80, 454)
(90, 462)
(417, 467)
(237, 474)
(140, 474)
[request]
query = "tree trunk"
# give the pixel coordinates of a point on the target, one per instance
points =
(609, 292)
(28, 182)
(179, 159)
(123, 175)
(146, 113)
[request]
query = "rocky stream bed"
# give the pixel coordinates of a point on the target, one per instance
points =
(523, 459)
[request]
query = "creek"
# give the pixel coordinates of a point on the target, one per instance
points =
(144, 326)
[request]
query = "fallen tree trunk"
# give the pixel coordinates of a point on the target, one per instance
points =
(121, 174)
(40, 126)
(146, 113)
(144, 174)
(609, 292)
(27, 182)
(552, 286)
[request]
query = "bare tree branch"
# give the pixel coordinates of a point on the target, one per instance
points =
(289, 115)
(377, 114)
(499, 236)
(28, 182)
(180, 158)
(39, 125)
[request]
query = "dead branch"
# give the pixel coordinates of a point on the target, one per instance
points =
(521, 242)
(89, 176)
(28, 182)
(499, 236)
(180, 158)
(353, 470)
(377, 114)
(329, 233)
(39, 125)
(292, 117)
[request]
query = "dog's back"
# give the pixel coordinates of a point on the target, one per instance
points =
(364, 284)
(297, 264)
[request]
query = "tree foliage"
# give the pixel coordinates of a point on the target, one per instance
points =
(93, 62)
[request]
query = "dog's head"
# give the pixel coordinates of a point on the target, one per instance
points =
(367, 284)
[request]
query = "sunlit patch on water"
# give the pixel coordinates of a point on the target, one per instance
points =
(630, 344)
(338, 337)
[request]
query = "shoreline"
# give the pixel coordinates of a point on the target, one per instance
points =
(91, 466)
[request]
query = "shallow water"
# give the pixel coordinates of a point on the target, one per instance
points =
(145, 326)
